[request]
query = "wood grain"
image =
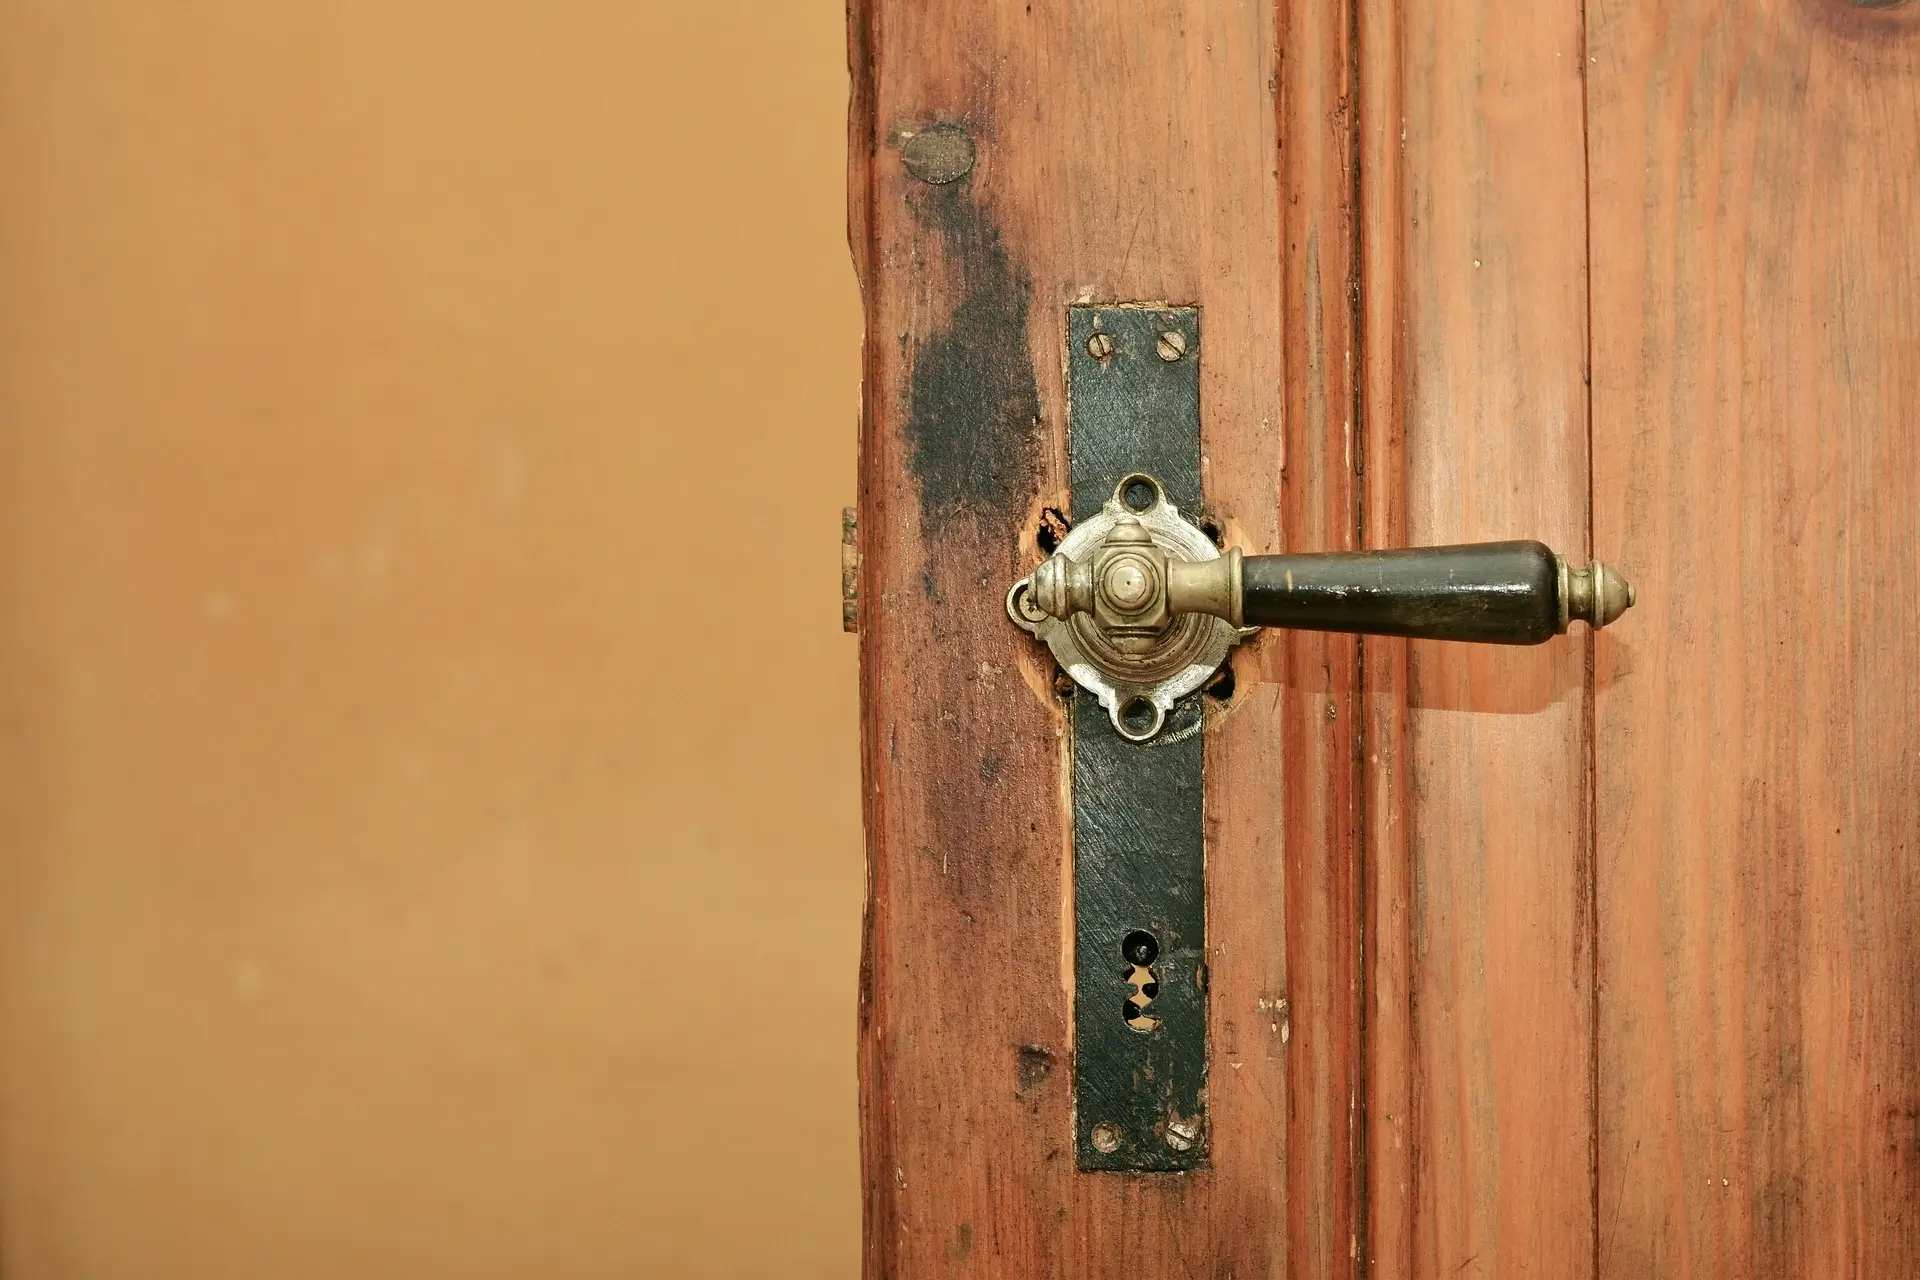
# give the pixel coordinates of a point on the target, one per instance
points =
(1757, 466)
(1123, 154)
(1481, 1040)
(1385, 857)
(1320, 714)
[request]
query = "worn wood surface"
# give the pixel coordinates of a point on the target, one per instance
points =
(1480, 1046)
(1320, 714)
(1757, 466)
(1122, 154)
(1384, 858)
(1564, 984)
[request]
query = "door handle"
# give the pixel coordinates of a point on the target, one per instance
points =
(1141, 608)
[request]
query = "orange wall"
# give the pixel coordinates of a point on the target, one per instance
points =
(429, 810)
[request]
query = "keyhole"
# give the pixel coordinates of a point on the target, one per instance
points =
(1139, 949)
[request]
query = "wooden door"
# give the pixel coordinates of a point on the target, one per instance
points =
(1597, 959)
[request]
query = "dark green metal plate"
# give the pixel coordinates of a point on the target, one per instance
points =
(1139, 862)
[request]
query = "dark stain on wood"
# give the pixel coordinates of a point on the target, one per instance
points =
(1079, 185)
(1872, 28)
(1033, 1066)
(974, 409)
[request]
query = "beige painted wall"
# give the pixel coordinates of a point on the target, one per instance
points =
(429, 826)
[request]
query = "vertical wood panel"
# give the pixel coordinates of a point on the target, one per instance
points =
(1491, 296)
(1385, 855)
(1756, 393)
(1124, 153)
(1322, 715)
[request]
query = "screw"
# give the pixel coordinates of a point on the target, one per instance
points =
(1100, 346)
(1025, 605)
(939, 154)
(1106, 1138)
(1172, 345)
(1182, 1134)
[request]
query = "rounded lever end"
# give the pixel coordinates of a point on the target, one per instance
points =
(1597, 594)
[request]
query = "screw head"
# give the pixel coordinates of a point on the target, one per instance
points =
(1182, 1134)
(1172, 345)
(1106, 1138)
(939, 154)
(1100, 346)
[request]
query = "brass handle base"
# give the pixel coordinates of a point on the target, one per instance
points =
(1101, 604)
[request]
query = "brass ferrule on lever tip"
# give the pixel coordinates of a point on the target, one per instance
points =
(1596, 595)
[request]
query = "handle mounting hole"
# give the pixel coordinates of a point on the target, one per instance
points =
(1139, 718)
(1139, 493)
